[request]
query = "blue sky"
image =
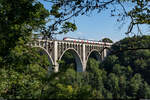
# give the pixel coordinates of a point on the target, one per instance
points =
(95, 27)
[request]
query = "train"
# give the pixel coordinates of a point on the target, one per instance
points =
(85, 41)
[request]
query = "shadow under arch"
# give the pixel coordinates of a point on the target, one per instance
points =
(44, 51)
(78, 61)
(107, 48)
(94, 54)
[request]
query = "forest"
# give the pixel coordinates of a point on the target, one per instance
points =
(123, 74)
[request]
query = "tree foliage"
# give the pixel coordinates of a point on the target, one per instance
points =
(21, 71)
(107, 40)
(137, 11)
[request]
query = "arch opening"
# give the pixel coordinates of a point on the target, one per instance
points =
(93, 60)
(70, 59)
(46, 58)
(108, 50)
(95, 55)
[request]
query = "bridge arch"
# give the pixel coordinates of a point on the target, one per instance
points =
(78, 60)
(45, 52)
(105, 51)
(105, 48)
(96, 53)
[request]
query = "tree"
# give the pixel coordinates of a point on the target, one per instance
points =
(18, 19)
(107, 40)
(134, 85)
(113, 85)
(21, 66)
(129, 62)
(67, 61)
(144, 91)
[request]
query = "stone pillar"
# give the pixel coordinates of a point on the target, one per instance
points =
(46, 45)
(104, 54)
(84, 61)
(56, 65)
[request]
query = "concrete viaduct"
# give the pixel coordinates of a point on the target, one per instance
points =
(55, 49)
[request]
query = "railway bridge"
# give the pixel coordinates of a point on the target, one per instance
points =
(81, 51)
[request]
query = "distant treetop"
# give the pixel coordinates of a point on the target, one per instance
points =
(107, 40)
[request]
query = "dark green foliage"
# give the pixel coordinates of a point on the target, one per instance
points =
(107, 40)
(135, 53)
(17, 21)
(21, 72)
(128, 63)
(67, 61)
(68, 26)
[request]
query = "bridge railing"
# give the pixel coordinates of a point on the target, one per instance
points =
(65, 41)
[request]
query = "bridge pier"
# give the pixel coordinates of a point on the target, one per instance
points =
(84, 60)
(84, 66)
(56, 65)
(56, 68)
(104, 54)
